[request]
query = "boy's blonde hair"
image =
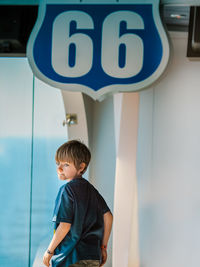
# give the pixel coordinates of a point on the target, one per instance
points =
(74, 151)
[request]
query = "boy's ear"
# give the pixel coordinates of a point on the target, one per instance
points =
(82, 167)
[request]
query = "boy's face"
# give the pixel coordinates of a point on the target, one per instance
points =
(67, 170)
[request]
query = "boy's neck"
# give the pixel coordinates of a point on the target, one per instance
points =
(76, 177)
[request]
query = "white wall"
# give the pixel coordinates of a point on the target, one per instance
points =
(168, 165)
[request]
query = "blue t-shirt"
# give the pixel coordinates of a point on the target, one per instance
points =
(80, 204)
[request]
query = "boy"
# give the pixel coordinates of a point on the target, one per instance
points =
(82, 218)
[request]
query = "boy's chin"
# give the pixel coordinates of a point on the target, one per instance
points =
(62, 177)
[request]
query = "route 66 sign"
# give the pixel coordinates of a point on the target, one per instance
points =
(98, 49)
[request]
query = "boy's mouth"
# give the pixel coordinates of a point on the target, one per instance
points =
(61, 174)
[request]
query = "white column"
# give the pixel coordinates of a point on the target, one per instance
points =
(125, 228)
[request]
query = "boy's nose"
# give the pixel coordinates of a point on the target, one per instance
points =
(60, 168)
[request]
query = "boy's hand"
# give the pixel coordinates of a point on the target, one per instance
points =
(46, 258)
(103, 256)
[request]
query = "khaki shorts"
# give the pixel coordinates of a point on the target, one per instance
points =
(86, 263)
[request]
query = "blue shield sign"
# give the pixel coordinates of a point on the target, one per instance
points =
(98, 49)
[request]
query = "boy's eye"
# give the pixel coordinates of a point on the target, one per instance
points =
(57, 163)
(66, 165)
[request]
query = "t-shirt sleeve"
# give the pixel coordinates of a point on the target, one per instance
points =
(66, 210)
(103, 204)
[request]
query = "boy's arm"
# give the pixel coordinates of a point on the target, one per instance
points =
(108, 219)
(59, 235)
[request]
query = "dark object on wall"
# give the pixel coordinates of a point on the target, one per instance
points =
(176, 18)
(16, 23)
(193, 48)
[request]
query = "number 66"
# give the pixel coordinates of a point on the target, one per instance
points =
(62, 41)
